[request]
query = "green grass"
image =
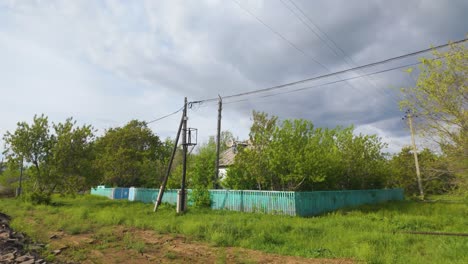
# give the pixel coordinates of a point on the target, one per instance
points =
(368, 233)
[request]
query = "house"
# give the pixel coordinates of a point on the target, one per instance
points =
(227, 157)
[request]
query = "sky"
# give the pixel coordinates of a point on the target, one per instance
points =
(107, 62)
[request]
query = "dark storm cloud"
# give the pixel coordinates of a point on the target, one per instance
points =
(200, 49)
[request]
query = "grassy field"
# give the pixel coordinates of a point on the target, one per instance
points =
(374, 234)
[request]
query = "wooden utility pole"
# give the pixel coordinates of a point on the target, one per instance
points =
(182, 195)
(20, 188)
(174, 150)
(415, 153)
(218, 142)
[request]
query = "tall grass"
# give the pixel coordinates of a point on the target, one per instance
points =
(369, 233)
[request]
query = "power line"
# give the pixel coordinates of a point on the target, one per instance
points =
(280, 35)
(336, 73)
(347, 59)
(166, 116)
(288, 41)
(324, 84)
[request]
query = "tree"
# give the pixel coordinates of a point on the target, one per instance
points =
(202, 165)
(60, 161)
(255, 160)
(439, 99)
(434, 174)
(295, 156)
(72, 157)
(362, 160)
(126, 156)
(33, 143)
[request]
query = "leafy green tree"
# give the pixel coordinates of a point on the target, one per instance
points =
(251, 168)
(361, 160)
(202, 169)
(126, 156)
(292, 155)
(33, 143)
(439, 99)
(72, 157)
(434, 174)
(60, 161)
(286, 155)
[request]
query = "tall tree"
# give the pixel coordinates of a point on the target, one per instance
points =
(126, 156)
(60, 161)
(72, 157)
(440, 100)
(435, 177)
(293, 155)
(33, 143)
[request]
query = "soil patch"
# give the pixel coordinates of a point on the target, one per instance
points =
(130, 245)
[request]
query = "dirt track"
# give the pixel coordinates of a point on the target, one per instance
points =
(163, 248)
(130, 245)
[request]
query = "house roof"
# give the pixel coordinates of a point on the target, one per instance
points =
(226, 158)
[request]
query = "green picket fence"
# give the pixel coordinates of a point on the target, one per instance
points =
(271, 202)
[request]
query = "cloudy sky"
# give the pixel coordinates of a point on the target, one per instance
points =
(107, 62)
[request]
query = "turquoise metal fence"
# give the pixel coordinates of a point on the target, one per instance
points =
(253, 201)
(107, 192)
(149, 195)
(314, 203)
(272, 202)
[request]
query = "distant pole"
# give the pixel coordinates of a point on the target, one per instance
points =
(20, 188)
(163, 184)
(218, 142)
(415, 153)
(181, 206)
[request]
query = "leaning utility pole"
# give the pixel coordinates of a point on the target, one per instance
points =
(164, 183)
(218, 142)
(415, 153)
(182, 195)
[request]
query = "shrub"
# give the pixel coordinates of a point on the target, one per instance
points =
(201, 198)
(39, 198)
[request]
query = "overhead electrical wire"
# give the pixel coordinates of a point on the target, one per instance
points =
(291, 43)
(166, 116)
(334, 73)
(280, 35)
(328, 83)
(347, 59)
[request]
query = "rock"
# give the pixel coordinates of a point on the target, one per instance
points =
(7, 257)
(57, 251)
(54, 236)
(31, 261)
(23, 258)
(39, 261)
(4, 235)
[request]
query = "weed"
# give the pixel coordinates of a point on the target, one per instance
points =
(371, 233)
(171, 255)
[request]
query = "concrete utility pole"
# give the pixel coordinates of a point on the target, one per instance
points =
(164, 183)
(182, 196)
(218, 142)
(415, 153)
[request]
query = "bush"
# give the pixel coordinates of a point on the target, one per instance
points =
(201, 198)
(39, 198)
